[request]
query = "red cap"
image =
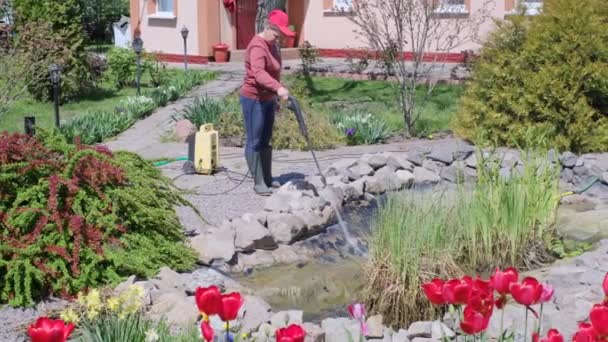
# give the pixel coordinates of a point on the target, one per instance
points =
(281, 20)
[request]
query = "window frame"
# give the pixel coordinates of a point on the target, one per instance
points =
(167, 14)
(447, 9)
(343, 7)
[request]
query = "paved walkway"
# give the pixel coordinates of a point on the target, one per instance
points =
(146, 136)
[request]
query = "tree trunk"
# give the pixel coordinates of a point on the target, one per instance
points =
(264, 7)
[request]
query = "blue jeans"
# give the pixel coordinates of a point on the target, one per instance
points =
(259, 121)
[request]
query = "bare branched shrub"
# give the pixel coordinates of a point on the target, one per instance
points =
(417, 28)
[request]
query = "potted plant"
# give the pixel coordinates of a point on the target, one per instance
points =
(290, 42)
(220, 52)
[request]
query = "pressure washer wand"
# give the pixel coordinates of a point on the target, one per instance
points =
(294, 106)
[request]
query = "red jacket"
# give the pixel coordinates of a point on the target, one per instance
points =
(262, 70)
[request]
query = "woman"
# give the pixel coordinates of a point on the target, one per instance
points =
(259, 94)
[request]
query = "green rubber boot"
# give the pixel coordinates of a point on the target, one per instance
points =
(266, 155)
(254, 161)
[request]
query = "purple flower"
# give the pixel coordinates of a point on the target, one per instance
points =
(350, 132)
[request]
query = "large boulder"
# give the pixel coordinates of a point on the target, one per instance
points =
(399, 162)
(286, 228)
(254, 312)
(441, 155)
(361, 169)
(215, 244)
(375, 160)
(424, 177)
(251, 235)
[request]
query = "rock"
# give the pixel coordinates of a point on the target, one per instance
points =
(335, 180)
(471, 161)
(332, 195)
(176, 309)
(251, 235)
(580, 161)
(406, 176)
(509, 160)
(215, 244)
(285, 228)
(183, 129)
(415, 158)
(567, 175)
(374, 324)
(441, 155)
(568, 159)
(387, 180)
(576, 199)
(351, 192)
(375, 160)
(359, 185)
(432, 165)
(439, 331)
(361, 169)
(505, 173)
(313, 220)
(264, 333)
(314, 333)
(604, 178)
(148, 287)
(339, 329)
(120, 288)
(581, 170)
(401, 336)
(339, 167)
(588, 226)
(452, 174)
(299, 186)
(310, 203)
(399, 162)
(168, 279)
(281, 202)
(254, 312)
(257, 259)
(420, 329)
(424, 177)
(463, 152)
(424, 339)
(286, 318)
(287, 254)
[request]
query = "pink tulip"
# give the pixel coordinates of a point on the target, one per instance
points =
(547, 294)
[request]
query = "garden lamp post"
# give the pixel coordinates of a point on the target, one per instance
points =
(55, 73)
(138, 45)
(185, 32)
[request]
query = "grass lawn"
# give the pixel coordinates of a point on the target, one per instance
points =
(330, 95)
(105, 98)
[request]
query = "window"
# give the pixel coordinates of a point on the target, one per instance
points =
(452, 6)
(164, 7)
(533, 7)
(343, 5)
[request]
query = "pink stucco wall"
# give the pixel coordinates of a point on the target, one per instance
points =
(163, 34)
(337, 32)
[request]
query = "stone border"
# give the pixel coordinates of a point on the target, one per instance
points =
(301, 209)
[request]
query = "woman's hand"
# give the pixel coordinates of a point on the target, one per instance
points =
(283, 93)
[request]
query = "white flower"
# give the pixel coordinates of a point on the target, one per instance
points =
(152, 336)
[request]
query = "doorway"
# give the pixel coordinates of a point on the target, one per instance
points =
(245, 22)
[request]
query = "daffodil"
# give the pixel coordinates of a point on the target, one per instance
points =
(69, 316)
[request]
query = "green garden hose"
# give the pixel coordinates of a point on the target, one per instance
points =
(578, 192)
(165, 162)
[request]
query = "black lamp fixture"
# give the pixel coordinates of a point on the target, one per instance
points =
(184, 33)
(55, 74)
(138, 46)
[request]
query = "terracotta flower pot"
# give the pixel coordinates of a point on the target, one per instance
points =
(290, 42)
(220, 53)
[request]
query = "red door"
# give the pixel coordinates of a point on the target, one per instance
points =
(245, 22)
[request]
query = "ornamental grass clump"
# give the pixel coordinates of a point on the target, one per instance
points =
(74, 217)
(503, 220)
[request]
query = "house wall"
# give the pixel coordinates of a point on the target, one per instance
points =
(335, 31)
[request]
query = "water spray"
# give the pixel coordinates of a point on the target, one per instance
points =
(294, 106)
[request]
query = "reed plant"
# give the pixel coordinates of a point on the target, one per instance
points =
(503, 220)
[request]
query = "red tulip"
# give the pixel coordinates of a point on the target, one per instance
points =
(599, 319)
(553, 336)
(547, 294)
(457, 291)
(49, 330)
(357, 311)
(208, 300)
(482, 297)
(528, 292)
(231, 304)
(605, 285)
(293, 333)
(535, 337)
(207, 331)
(474, 321)
(585, 333)
(501, 280)
(434, 291)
